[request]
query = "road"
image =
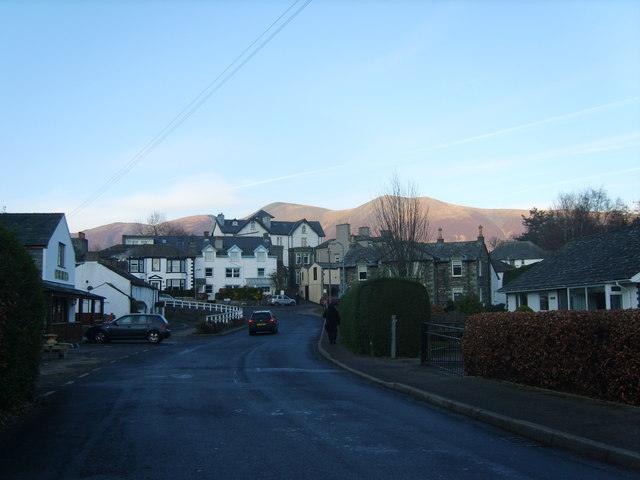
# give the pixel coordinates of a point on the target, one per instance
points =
(268, 407)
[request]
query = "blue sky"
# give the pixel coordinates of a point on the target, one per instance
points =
(489, 104)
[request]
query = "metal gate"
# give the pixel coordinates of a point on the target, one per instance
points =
(442, 347)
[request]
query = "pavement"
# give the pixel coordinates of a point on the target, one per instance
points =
(265, 406)
(605, 430)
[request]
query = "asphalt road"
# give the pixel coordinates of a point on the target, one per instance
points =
(263, 407)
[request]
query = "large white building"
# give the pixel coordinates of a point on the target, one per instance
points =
(301, 233)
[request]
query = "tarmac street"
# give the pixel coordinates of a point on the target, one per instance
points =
(265, 406)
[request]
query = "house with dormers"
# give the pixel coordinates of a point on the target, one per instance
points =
(288, 235)
(201, 265)
(47, 239)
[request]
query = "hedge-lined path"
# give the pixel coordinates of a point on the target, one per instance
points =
(616, 426)
(265, 406)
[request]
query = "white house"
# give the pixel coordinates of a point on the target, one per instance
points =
(301, 233)
(47, 239)
(591, 273)
(233, 262)
(123, 292)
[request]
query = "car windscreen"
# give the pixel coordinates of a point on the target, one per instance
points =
(260, 316)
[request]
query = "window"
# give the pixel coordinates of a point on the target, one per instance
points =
(304, 229)
(303, 242)
(298, 259)
(261, 256)
(233, 272)
(362, 273)
(456, 293)
(136, 265)
(337, 257)
(234, 255)
(208, 289)
(305, 258)
(456, 268)
(176, 283)
(253, 225)
(208, 256)
(615, 301)
(261, 272)
(279, 240)
(544, 301)
(61, 248)
(175, 266)
(480, 268)
(297, 277)
(315, 273)
(155, 264)
(125, 321)
(208, 272)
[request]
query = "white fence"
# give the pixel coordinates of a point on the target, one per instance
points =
(223, 312)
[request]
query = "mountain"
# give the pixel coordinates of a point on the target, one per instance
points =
(458, 222)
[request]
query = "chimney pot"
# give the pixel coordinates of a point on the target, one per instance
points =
(81, 235)
(440, 237)
(480, 236)
(206, 233)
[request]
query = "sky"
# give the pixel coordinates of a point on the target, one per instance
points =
(491, 104)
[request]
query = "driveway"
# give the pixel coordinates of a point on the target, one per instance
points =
(239, 406)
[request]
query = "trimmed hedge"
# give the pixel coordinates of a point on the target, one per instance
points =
(592, 353)
(366, 310)
(22, 311)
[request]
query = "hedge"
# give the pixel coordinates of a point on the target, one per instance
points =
(366, 311)
(22, 311)
(592, 353)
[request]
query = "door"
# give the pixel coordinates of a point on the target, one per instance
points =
(306, 292)
(139, 326)
(121, 328)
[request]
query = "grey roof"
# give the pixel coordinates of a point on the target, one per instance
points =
(144, 251)
(276, 228)
(123, 273)
(445, 251)
(31, 229)
(246, 244)
(518, 249)
(359, 254)
(589, 260)
(261, 214)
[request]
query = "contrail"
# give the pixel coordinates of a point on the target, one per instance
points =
(287, 177)
(535, 123)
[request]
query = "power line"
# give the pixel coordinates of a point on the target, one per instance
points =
(230, 70)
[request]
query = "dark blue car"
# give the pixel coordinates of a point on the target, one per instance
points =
(136, 326)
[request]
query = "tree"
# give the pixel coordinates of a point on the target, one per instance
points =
(279, 278)
(158, 225)
(574, 215)
(402, 223)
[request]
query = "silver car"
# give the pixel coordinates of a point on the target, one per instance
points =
(282, 300)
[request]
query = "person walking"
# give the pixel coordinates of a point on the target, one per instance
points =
(332, 320)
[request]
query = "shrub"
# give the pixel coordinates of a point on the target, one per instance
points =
(593, 353)
(366, 311)
(22, 312)
(468, 304)
(242, 293)
(524, 308)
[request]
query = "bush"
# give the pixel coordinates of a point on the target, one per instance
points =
(242, 293)
(366, 311)
(524, 308)
(468, 304)
(593, 353)
(22, 312)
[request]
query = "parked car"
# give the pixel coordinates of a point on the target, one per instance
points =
(163, 297)
(150, 326)
(281, 300)
(262, 321)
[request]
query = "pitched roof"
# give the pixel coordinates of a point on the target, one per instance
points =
(589, 260)
(276, 228)
(518, 249)
(445, 251)
(32, 229)
(359, 254)
(261, 214)
(123, 273)
(246, 244)
(499, 266)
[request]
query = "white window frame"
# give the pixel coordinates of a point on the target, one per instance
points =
(457, 262)
(208, 272)
(61, 253)
(456, 291)
(362, 269)
(209, 256)
(259, 271)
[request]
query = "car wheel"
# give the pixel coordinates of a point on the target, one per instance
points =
(154, 337)
(99, 337)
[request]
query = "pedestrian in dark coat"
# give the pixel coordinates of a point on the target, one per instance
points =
(332, 320)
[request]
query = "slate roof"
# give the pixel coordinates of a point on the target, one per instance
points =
(69, 290)
(359, 254)
(123, 273)
(277, 227)
(144, 251)
(32, 229)
(590, 260)
(445, 251)
(246, 244)
(518, 249)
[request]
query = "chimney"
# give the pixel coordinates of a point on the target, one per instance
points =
(364, 232)
(217, 243)
(220, 218)
(206, 233)
(266, 221)
(440, 237)
(81, 247)
(343, 234)
(81, 235)
(266, 236)
(480, 236)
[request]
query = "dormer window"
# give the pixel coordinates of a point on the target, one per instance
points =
(209, 256)
(234, 223)
(234, 255)
(261, 256)
(253, 225)
(456, 267)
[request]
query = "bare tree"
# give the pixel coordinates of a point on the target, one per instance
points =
(158, 225)
(402, 223)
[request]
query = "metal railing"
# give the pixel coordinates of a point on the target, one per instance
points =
(227, 317)
(442, 347)
(210, 307)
